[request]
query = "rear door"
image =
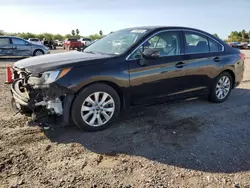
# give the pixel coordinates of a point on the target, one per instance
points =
(203, 56)
(5, 47)
(21, 47)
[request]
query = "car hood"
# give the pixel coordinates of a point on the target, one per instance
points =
(48, 62)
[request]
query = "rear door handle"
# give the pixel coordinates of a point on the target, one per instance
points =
(216, 59)
(180, 65)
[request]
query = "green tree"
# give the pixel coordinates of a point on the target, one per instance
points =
(1, 32)
(235, 37)
(94, 37)
(216, 35)
(243, 35)
(77, 31)
(101, 33)
(41, 36)
(48, 36)
(73, 32)
(67, 36)
(58, 37)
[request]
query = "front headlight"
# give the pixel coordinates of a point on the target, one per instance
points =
(52, 76)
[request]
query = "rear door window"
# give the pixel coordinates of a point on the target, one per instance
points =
(196, 43)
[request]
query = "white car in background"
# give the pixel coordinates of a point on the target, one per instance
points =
(35, 41)
(58, 42)
(85, 42)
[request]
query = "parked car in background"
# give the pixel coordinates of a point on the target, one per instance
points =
(242, 45)
(233, 44)
(72, 43)
(50, 44)
(14, 46)
(239, 45)
(35, 41)
(58, 42)
(85, 42)
(151, 64)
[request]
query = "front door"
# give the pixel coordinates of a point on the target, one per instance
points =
(5, 47)
(164, 76)
(21, 47)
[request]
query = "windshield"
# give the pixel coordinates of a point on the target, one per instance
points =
(118, 42)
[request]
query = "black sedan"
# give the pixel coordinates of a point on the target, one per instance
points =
(127, 68)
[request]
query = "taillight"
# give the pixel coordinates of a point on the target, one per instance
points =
(242, 56)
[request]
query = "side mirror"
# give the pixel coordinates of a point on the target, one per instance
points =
(148, 54)
(151, 53)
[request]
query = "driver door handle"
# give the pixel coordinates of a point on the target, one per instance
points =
(216, 59)
(180, 65)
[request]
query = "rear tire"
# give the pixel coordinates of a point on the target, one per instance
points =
(95, 107)
(221, 88)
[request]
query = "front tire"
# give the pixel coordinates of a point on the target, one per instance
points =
(95, 107)
(38, 52)
(221, 88)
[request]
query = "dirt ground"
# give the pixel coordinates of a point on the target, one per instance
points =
(191, 143)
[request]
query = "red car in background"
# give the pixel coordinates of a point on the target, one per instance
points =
(71, 43)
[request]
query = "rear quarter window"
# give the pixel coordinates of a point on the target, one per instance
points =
(214, 46)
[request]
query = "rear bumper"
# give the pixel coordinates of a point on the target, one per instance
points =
(239, 73)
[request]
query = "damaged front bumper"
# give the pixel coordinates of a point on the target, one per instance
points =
(30, 93)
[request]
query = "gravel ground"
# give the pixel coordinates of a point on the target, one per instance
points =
(191, 143)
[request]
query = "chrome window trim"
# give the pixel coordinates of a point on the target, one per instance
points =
(189, 30)
(127, 58)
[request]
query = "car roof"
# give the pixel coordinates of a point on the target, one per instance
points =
(12, 37)
(165, 27)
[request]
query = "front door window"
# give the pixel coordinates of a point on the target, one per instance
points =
(168, 44)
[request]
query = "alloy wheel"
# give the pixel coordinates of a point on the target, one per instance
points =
(223, 87)
(97, 109)
(38, 53)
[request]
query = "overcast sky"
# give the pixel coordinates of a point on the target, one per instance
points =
(90, 16)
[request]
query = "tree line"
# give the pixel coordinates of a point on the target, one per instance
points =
(50, 36)
(239, 36)
(234, 36)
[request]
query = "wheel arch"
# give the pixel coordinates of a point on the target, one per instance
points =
(109, 83)
(232, 75)
(38, 49)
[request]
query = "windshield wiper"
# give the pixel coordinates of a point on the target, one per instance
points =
(91, 52)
